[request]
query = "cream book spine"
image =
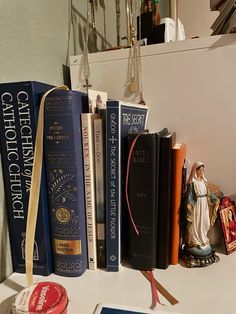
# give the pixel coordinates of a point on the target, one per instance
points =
(87, 122)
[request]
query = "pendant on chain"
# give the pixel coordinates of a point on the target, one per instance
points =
(133, 87)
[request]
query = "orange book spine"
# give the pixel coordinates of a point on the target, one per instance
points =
(178, 157)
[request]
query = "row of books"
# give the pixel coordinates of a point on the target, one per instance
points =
(109, 188)
(156, 186)
(149, 189)
(65, 233)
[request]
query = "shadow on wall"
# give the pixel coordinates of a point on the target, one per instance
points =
(79, 25)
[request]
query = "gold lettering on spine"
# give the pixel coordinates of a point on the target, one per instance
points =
(67, 247)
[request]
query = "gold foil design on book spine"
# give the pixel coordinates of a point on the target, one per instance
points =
(67, 247)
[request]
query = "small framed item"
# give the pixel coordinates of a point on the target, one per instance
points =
(227, 213)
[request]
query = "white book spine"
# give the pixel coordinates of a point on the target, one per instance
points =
(89, 181)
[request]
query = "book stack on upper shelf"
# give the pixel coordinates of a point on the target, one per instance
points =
(226, 21)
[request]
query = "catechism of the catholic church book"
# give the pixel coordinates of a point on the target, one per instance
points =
(18, 122)
(65, 179)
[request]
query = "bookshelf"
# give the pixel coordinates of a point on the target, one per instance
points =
(209, 290)
(180, 79)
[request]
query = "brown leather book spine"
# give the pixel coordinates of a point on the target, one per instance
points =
(178, 157)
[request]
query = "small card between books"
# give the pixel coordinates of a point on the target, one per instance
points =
(106, 308)
(97, 100)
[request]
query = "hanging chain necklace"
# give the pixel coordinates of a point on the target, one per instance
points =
(93, 5)
(69, 31)
(135, 67)
(85, 62)
(118, 22)
(129, 21)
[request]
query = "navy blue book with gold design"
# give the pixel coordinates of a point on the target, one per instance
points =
(64, 167)
(18, 122)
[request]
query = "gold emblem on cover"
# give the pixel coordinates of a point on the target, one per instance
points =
(63, 215)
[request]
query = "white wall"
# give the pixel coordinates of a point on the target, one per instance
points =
(189, 87)
(196, 17)
(34, 34)
(105, 15)
(33, 40)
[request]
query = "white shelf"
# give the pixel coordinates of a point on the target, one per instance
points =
(208, 290)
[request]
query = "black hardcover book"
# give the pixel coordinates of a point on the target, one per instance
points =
(142, 200)
(164, 203)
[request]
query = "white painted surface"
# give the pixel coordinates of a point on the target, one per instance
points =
(196, 17)
(33, 40)
(34, 34)
(207, 290)
(190, 88)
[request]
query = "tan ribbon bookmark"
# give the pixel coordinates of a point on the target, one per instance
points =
(161, 289)
(35, 189)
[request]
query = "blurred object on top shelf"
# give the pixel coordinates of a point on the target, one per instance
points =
(171, 33)
(226, 21)
(157, 28)
(216, 4)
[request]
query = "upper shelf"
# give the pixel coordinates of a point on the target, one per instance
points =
(178, 46)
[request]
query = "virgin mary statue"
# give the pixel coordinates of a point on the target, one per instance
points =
(201, 212)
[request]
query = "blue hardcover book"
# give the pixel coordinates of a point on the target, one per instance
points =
(19, 113)
(122, 118)
(64, 167)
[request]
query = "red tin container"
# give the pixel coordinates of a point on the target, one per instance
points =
(44, 297)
